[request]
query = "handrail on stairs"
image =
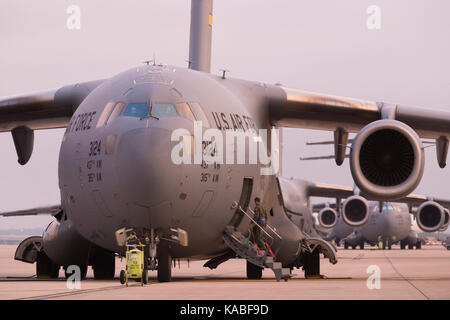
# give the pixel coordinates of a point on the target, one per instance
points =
(267, 225)
(240, 208)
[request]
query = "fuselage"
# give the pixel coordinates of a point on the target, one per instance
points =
(392, 224)
(117, 168)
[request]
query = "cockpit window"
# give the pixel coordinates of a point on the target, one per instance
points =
(105, 114)
(163, 110)
(138, 110)
(199, 114)
(185, 111)
(118, 108)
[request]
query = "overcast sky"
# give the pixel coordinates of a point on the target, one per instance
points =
(323, 46)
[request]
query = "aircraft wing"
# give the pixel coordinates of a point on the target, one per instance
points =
(25, 113)
(52, 210)
(341, 192)
(415, 200)
(292, 187)
(303, 109)
(43, 110)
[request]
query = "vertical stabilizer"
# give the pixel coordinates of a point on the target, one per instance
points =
(201, 34)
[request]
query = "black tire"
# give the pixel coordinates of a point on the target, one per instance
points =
(254, 272)
(410, 246)
(104, 266)
(83, 269)
(312, 264)
(45, 268)
(353, 247)
(418, 245)
(145, 277)
(361, 246)
(122, 277)
(345, 245)
(164, 267)
(448, 248)
(402, 245)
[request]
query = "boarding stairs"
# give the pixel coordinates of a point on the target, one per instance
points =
(245, 249)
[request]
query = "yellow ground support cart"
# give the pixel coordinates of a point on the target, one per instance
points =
(134, 262)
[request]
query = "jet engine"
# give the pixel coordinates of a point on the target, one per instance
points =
(446, 220)
(430, 216)
(328, 217)
(355, 211)
(387, 160)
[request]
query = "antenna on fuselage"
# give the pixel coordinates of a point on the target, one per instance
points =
(200, 35)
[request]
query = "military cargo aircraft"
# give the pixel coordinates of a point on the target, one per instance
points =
(390, 225)
(134, 157)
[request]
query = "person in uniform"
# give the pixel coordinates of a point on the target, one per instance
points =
(260, 218)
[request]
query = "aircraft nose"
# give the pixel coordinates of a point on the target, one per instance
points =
(146, 174)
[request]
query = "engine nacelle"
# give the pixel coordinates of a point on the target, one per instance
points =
(430, 216)
(327, 217)
(355, 211)
(446, 220)
(387, 160)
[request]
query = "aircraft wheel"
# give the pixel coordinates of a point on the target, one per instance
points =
(83, 270)
(164, 267)
(402, 245)
(418, 244)
(410, 246)
(361, 246)
(104, 266)
(353, 247)
(45, 268)
(122, 276)
(254, 272)
(145, 277)
(345, 245)
(312, 264)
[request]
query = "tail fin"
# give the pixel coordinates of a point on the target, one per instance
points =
(201, 35)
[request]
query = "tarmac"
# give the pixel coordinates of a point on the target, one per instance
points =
(404, 274)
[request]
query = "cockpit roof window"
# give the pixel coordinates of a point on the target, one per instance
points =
(138, 110)
(163, 110)
(199, 114)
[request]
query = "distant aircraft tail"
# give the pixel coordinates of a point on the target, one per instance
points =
(200, 35)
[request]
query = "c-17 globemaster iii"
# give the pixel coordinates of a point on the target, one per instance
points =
(389, 224)
(134, 157)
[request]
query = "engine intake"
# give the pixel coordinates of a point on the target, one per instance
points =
(355, 211)
(387, 159)
(430, 216)
(328, 217)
